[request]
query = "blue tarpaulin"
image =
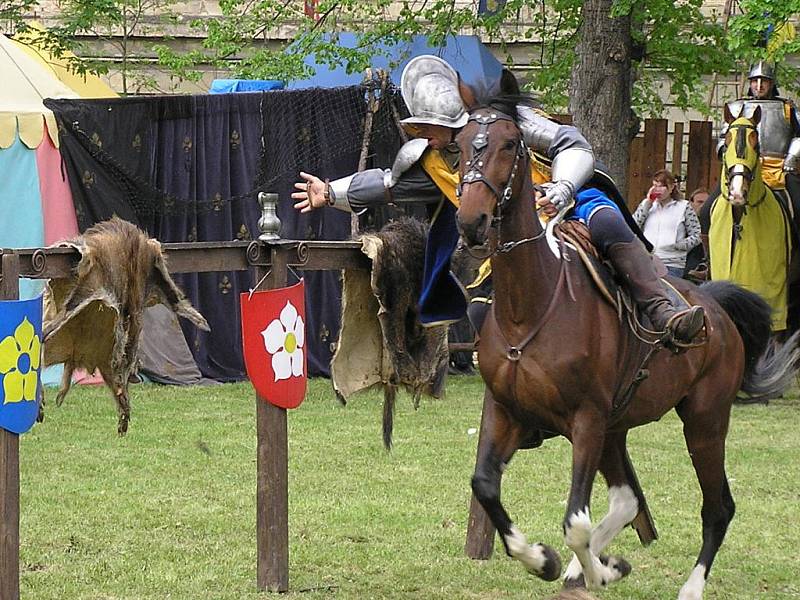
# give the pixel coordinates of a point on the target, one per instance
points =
(227, 86)
(475, 63)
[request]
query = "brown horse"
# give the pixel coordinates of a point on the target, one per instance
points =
(556, 357)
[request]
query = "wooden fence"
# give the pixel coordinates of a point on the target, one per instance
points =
(692, 157)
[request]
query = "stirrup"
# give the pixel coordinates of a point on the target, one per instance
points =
(694, 327)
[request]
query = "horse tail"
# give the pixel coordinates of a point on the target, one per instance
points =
(770, 367)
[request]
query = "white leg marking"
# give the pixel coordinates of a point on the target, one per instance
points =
(578, 535)
(531, 556)
(694, 586)
(622, 508)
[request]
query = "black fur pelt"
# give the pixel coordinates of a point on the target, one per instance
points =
(419, 354)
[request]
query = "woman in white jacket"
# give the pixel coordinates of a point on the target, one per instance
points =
(668, 222)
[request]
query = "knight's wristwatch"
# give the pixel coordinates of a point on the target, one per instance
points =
(330, 199)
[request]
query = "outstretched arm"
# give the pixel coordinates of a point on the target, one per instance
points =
(406, 181)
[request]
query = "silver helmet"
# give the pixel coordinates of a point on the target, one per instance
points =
(762, 69)
(430, 90)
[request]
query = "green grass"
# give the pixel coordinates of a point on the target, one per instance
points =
(169, 510)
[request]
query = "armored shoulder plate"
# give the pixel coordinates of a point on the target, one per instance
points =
(409, 153)
(538, 131)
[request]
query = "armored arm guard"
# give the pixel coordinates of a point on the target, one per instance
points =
(573, 159)
(791, 163)
(792, 160)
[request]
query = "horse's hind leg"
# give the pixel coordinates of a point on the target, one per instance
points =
(625, 502)
(538, 559)
(705, 426)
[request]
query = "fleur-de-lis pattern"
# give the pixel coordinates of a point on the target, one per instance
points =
(217, 202)
(243, 233)
(236, 140)
(96, 140)
(192, 235)
(88, 179)
(225, 285)
(136, 143)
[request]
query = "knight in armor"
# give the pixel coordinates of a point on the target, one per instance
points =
(778, 133)
(426, 170)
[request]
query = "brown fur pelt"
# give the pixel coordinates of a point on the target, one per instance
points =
(93, 319)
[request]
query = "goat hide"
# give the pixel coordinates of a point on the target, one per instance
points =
(93, 319)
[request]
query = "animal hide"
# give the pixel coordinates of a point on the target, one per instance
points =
(93, 319)
(381, 340)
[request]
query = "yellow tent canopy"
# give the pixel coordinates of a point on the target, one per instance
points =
(29, 76)
(86, 85)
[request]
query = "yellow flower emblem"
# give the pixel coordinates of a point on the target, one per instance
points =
(19, 363)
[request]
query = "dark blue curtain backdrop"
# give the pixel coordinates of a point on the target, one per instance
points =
(189, 168)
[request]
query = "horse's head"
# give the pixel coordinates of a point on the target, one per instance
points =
(740, 160)
(493, 162)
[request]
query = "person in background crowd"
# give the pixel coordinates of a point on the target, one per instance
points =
(668, 222)
(697, 255)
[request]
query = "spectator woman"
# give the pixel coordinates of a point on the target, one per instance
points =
(668, 222)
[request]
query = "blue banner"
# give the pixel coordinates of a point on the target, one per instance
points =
(20, 363)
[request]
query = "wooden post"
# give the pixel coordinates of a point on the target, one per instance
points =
(9, 467)
(636, 181)
(272, 491)
(480, 530)
(700, 157)
(677, 150)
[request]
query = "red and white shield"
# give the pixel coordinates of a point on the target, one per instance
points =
(274, 340)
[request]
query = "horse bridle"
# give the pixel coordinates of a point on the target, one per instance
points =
(475, 175)
(740, 169)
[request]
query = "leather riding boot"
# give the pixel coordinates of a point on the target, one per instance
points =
(635, 265)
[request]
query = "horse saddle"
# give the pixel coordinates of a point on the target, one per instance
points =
(607, 280)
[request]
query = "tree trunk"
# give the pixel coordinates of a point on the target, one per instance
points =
(600, 87)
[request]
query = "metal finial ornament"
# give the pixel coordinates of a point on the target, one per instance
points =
(269, 224)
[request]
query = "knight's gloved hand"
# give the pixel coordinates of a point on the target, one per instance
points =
(790, 164)
(560, 194)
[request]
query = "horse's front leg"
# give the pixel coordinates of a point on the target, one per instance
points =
(588, 436)
(538, 559)
(625, 501)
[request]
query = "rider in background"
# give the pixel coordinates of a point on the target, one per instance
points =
(778, 133)
(427, 169)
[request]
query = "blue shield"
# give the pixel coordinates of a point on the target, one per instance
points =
(20, 363)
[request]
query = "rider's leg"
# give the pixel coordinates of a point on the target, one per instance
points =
(630, 258)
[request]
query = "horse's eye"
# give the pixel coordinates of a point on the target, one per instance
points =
(509, 146)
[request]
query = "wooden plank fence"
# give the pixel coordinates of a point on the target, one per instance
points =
(656, 148)
(648, 154)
